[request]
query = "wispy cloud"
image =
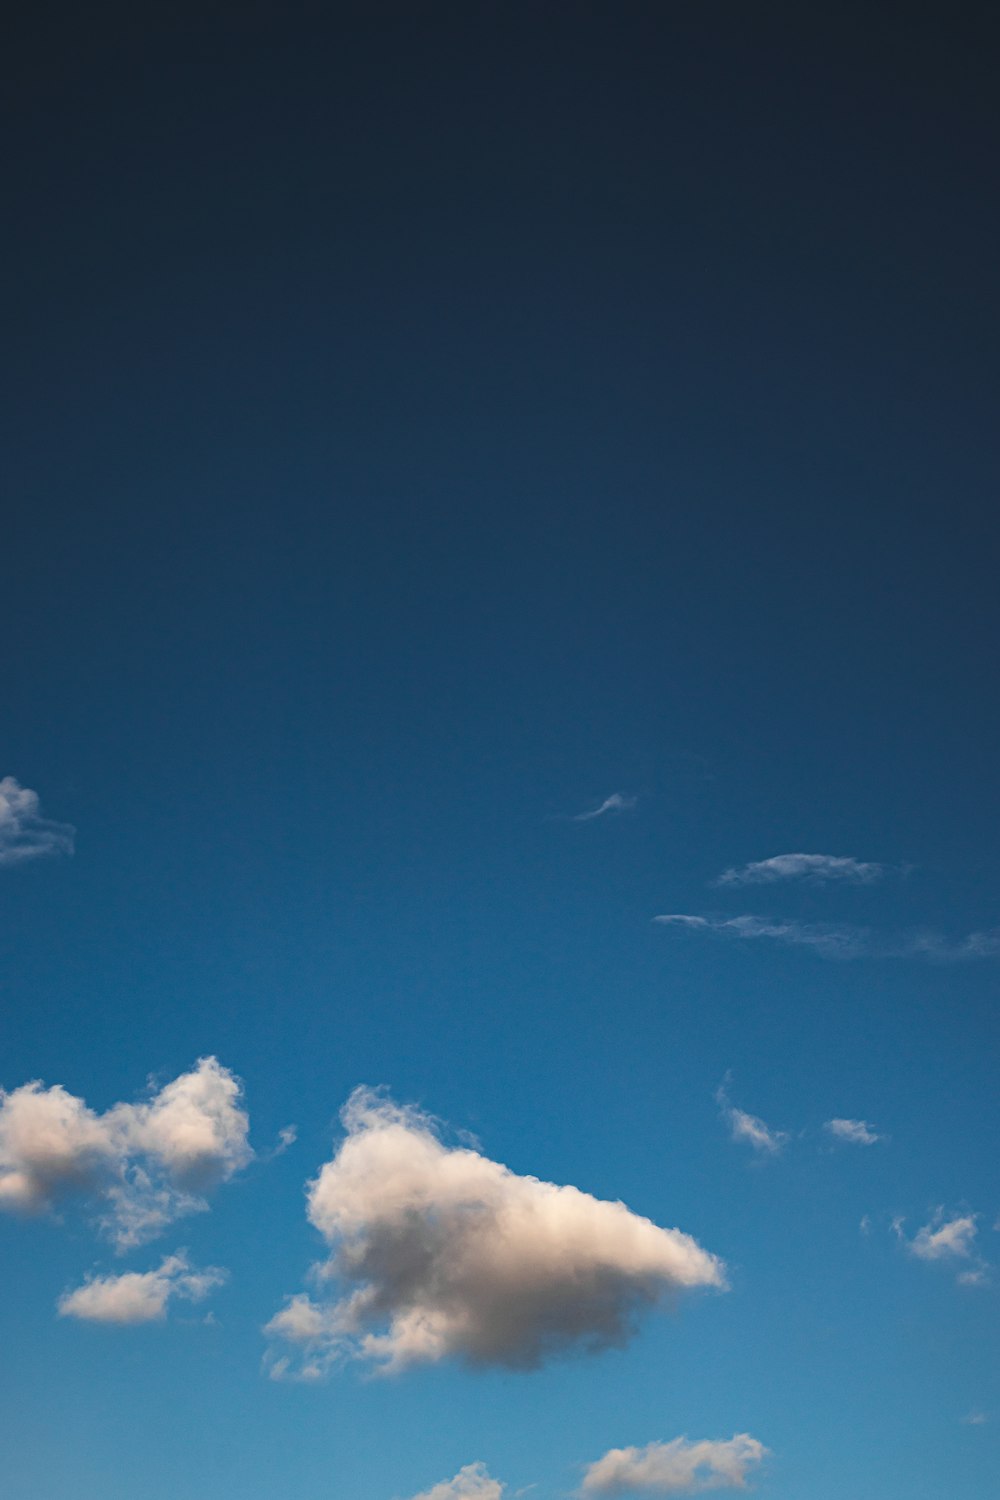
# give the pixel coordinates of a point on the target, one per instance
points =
(443, 1253)
(470, 1483)
(975, 1418)
(748, 1129)
(24, 833)
(143, 1165)
(817, 868)
(616, 803)
(679, 1467)
(140, 1296)
(842, 940)
(951, 1241)
(853, 1132)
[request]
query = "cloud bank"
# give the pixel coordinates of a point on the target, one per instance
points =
(470, 1483)
(842, 940)
(24, 833)
(814, 867)
(139, 1297)
(853, 1132)
(143, 1165)
(676, 1468)
(616, 803)
(444, 1253)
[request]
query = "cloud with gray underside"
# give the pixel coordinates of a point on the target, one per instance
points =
(437, 1252)
(138, 1166)
(24, 834)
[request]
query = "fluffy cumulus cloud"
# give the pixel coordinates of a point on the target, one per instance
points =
(140, 1296)
(616, 803)
(440, 1252)
(814, 867)
(470, 1483)
(841, 940)
(24, 833)
(143, 1165)
(853, 1132)
(676, 1468)
(747, 1129)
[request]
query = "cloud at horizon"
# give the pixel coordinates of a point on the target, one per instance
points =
(24, 834)
(444, 1253)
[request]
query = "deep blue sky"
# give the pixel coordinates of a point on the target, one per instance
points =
(419, 424)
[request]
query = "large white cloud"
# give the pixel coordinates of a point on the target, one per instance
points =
(140, 1296)
(470, 1483)
(676, 1468)
(442, 1252)
(24, 833)
(143, 1164)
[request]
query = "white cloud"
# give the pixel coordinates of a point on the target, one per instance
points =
(749, 1129)
(813, 867)
(853, 1132)
(144, 1164)
(676, 1468)
(950, 1241)
(842, 940)
(139, 1297)
(616, 803)
(24, 833)
(470, 1483)
(445, 1253)
(975, 1418)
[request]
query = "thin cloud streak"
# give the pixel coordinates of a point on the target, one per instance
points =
(616, 803)
(841, 940)
(442, 1253)
(24, 834)
(817, 868)
(679, 1467)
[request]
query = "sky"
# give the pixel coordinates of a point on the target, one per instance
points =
(499, 924)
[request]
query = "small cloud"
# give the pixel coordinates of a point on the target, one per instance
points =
(975, 1418)
(287, 1136)
(24, 833)
(140, 1297)
(616, 803)
(749, 1129)
(948, 1241)
(853, 1132)
(143, 1165)
(842, 940)
(866, 1224)
(470, 1483)
(442, 1253)
(679, 1467)
(817, 868)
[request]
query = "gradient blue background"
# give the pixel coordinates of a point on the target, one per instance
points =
(421, 422)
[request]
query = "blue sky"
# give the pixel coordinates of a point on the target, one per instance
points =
(481, 481)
